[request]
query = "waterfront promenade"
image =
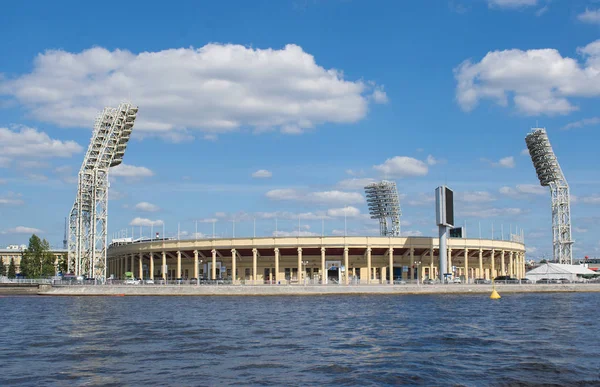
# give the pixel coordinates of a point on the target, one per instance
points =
(276, 290)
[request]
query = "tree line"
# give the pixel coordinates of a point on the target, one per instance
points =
(37, 261)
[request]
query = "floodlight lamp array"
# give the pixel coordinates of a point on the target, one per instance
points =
(382, 199)
(543, 158)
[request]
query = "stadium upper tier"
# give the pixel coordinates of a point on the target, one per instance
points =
(315, 258)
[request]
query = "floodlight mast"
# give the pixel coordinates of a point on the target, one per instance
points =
(383, 202)
(550, 175)
(89, 214)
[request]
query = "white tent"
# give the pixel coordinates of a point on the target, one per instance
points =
(557, 271)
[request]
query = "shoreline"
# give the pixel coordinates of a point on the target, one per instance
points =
(301, 290)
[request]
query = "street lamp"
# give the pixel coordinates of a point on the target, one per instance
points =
(418, 263)
(304, 263)
(198, 279)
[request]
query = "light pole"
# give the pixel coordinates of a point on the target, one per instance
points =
(198, 279)
(304, 263)
(418, 264)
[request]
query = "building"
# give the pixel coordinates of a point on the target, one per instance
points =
(16, 252)
(326, 259)
(555, 271)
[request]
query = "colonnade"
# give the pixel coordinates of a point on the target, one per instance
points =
(467, 264)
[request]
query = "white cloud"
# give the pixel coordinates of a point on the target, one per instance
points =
(215, 89)
(521, 190)
(145, 222)
(525, 152)
(2, 181)
(591, 16)
(581, 124)
(505, 162)
(422, 199)
(11, 199)
(432, 160)
(323, 197)
(476, 197)
(511, 3)
(348, 211)
(592, 199)
(37, 177)
(335, 197)
(580, 230)
(491, 212)
(540, 81)
(355, 183)
(262, 174)
(146, 207)
(283, 194)
(402, 166)
(28, 143)
(130, 171)
(22, 230)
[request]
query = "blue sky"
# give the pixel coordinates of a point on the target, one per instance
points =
(321, 97)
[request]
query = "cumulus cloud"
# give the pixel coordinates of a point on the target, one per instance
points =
(348, 211)
(262, 174)
(130, 171)
(323, 197)
(511, 3)
(22, 230)
(24, 142)
(591, 16)
(145, 222)
(522, 190)
(540, 81)
(581, 124)
(476, 197)
(216, 88)
(402, 166)
(505, 162)
(146, 207)
(355, 183)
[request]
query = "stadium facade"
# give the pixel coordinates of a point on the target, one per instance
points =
(316, 259)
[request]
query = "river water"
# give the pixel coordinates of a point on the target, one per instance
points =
(528, 339)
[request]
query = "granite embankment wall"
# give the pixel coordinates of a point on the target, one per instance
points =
(278, 290)
(22, 289)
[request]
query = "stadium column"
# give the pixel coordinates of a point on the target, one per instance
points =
(346, 268)
(391, 264)
(233, 265)
(450, 263)
(502, 263)
(369, 273)
(163, 269)
(511, 266)
(323, 268)
(481, 274)
(467, 265)
(412, 264)
(431, 273)
(132, 263)
(254, 258)
(141, 266)
(178, 264)
(493, 264)
(151, 265)
(299, 264)
(213, 269)
(276, 250)
(196, 272)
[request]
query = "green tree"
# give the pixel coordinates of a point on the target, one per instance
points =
(11, 269)
(37, 259)
(2, 268)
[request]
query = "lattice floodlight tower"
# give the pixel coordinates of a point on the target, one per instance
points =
(383, 202)
(89, 215)
(550, 175)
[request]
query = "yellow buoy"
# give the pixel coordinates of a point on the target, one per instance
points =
(495, 295)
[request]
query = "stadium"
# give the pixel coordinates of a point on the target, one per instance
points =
(316, 260)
